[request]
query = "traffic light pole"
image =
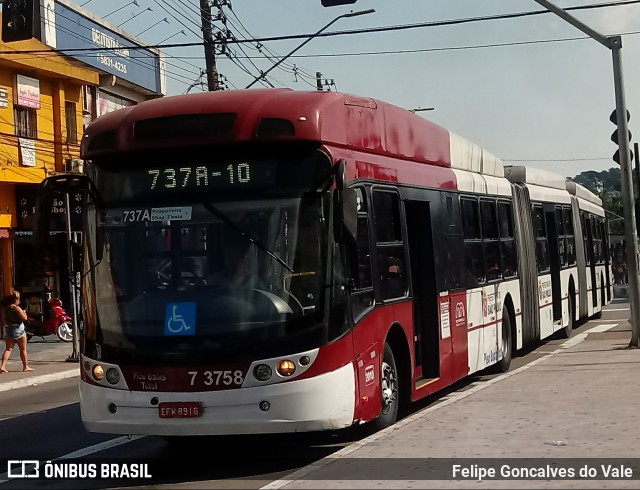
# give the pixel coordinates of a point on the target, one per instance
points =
(614, 43)
(628, 200)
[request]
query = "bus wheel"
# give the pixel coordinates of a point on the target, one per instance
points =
(507, 343)
(566, 332)
(388, 391)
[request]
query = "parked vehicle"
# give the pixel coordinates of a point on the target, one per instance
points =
(47, 317)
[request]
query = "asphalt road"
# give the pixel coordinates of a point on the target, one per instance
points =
(43, 423)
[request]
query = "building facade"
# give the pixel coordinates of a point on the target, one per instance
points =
(49, 92)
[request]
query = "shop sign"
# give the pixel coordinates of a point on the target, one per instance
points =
(27, 152)
(27, 92)
(26, 196)
(4, 98)
(116, 54)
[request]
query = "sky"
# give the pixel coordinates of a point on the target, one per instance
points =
(533, 90)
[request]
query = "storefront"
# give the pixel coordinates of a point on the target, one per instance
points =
(46, 273)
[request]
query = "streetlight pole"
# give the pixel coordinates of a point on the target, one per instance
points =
(350, 14)
(421, 109)
(614, 43)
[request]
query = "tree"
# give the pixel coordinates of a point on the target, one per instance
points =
(607, 185)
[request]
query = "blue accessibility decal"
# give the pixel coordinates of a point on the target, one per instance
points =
(180, 319)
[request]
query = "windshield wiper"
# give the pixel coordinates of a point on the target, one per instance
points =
(215, 211)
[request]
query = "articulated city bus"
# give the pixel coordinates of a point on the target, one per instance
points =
(566, 265)
(265, 261)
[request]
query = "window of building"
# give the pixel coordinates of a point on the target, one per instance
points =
(26, 122)
(71, 122)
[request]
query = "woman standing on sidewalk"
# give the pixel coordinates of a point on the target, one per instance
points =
(14, 332)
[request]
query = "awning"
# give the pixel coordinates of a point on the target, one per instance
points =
(22, 175)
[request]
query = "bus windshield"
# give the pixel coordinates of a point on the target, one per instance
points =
(191, 271)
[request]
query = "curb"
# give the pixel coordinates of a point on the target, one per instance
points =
(37, 380)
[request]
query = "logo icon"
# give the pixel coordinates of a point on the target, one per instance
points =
(180, 319)
(23, 468)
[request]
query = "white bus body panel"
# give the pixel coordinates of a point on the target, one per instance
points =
(324, 402)
(484, 322)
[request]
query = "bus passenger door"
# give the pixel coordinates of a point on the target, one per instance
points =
(427, 310)
(554, 224)
(591, 250)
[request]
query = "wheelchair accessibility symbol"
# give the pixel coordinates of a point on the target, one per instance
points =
(180, 319)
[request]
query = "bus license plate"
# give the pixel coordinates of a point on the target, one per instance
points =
(179, 410)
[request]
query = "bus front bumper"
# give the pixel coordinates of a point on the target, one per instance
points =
(324, 402)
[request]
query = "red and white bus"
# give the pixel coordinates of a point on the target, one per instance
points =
(264, 261)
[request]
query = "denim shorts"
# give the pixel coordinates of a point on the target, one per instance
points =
(14, 331)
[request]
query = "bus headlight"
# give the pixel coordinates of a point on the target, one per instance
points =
(262, 372)
(113, 376)
(98, 372)
(286, 368)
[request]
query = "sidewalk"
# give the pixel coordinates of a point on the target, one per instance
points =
(48, 359)
(579, 401)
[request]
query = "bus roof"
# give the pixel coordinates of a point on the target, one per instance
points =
(262, 115)
(582, 192)
(534, 176)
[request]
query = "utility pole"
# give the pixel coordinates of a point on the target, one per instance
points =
(209, 46)
(614, 43)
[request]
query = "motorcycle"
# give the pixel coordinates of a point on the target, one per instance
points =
(51, 318)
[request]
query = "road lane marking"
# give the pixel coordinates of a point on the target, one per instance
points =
(453, 398)
(38, 380)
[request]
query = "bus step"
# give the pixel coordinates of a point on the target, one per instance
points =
(421, 383)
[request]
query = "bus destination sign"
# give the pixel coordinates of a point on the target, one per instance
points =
(188, 177)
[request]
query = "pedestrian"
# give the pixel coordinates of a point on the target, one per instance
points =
(14, 332)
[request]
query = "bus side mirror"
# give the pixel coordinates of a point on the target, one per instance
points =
(345, 221)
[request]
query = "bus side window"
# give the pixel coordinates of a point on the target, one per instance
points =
(562, 247)
(362, 298)
(389, 245)
(507, 242)
(585, 238)
(490, 240)
(567, 217)
(542, 245)
(474, 257)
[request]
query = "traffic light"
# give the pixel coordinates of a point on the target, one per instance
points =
(333, 3)
(20, 20)
(615, 137)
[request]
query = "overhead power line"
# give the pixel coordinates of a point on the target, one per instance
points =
(360, 31)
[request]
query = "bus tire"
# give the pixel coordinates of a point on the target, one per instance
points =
(507, 343)
(388, 391)
(565, 333)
